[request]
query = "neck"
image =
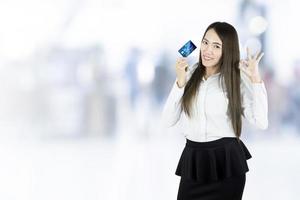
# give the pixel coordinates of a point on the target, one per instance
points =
(211, 70)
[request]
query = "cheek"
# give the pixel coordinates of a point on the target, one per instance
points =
(201, 48)
(218, 55)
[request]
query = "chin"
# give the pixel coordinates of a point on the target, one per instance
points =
(209, 64)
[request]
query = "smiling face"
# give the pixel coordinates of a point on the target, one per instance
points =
(211, 49)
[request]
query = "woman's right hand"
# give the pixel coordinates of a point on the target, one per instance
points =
(181, 70)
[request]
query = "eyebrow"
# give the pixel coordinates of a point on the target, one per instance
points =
(213, 42)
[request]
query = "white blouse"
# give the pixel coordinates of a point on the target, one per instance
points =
(210, 121)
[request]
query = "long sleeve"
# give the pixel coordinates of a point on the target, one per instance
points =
(171, 110)
(254, 102)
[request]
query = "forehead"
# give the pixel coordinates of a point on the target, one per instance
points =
(212, 36)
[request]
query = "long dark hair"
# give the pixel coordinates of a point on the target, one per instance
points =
(229, 72)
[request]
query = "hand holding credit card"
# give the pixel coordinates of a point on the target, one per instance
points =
(187, 48)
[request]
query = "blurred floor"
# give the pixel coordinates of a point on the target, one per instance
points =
(132, 169)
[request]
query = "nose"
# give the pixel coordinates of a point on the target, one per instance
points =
(208, 49)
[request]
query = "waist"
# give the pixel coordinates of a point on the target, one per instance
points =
(214, 143)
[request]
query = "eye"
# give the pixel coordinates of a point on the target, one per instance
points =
(204, 42)
(217, 46)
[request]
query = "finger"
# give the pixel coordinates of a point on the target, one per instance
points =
(257, 54)
(182, 59)
(243, 62)
(248, 53)
(241, 67)
(179, 60)
(186, 68)
(183, 66)
(244, 70)
(181, 63)
(260, 56)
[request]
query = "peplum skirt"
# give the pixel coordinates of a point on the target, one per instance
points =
(214, 170)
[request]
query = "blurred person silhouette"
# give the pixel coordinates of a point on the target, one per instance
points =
(132, 74)
(162, 76)
(101, 95)
(207, 103)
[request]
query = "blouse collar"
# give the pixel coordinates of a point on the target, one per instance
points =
(211, 76)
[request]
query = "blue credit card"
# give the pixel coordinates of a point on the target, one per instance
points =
(187, 48)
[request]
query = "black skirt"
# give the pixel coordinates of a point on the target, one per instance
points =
(213, 170)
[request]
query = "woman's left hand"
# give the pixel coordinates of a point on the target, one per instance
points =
(250, 66)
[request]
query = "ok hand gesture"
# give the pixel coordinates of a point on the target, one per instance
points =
(250, 66)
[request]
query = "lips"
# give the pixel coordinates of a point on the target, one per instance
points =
(207, 58)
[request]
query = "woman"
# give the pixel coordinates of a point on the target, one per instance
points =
(207, 103)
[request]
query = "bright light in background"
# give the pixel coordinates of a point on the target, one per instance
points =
(253, 44)
(258, 25)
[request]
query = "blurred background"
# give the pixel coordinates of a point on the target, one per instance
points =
(83, 83)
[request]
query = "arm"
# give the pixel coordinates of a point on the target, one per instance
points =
(254, 102)
(253, 91)
(171, 110)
